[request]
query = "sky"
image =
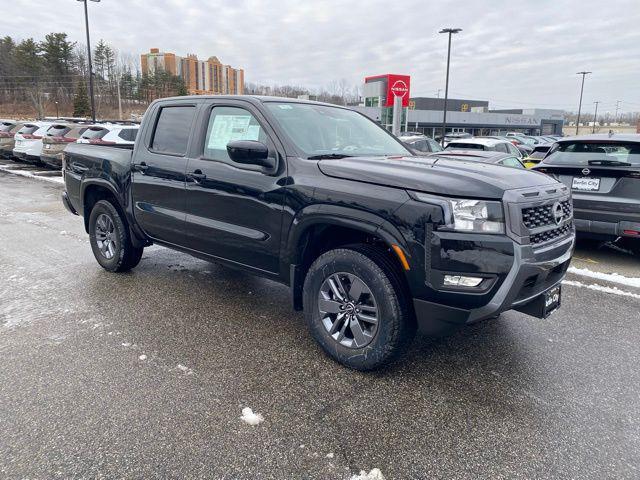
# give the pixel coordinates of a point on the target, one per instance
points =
(516, 53)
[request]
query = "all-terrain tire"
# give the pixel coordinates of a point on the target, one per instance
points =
(123, 256)
(396, 324)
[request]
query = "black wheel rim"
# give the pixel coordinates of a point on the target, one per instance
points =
(106, 236)
(348, 310)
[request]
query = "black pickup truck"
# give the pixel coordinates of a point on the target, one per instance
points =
(373, 242)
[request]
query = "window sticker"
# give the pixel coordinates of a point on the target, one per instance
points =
(227, 128)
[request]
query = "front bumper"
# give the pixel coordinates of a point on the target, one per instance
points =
(531, 275)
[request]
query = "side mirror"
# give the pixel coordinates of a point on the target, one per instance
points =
(250, 152)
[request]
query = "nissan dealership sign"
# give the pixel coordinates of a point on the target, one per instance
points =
(396, 86)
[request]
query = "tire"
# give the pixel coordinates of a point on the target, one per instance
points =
(379, 343)
(113, 250)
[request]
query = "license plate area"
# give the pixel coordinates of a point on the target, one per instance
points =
(544, 304)
(586, 184)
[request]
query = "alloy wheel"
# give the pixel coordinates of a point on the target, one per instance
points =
(105, 232)
(348, 310)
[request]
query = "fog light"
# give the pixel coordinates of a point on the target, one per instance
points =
(462, 281)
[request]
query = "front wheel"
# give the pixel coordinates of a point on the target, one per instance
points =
(357, 308)
(110, 241)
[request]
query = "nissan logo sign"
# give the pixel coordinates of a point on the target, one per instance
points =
(586, 171)
(558, 213)
(399, 88)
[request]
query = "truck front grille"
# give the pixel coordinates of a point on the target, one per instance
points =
(551, 234)
(541, 216)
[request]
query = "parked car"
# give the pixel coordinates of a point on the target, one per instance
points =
(55, 141)
(486, 156)
(421, 144)
(28, 141)
(8, 129)
(119, 135)
(484, 143)
(538, 153)
(372, 241)
(94, 133)
(524, 149)
(603, 172)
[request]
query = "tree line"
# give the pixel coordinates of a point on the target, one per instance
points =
(47, 77)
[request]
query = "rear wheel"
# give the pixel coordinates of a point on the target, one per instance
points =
(109, 238)
(357, 308)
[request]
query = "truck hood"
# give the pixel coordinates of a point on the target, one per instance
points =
(455, 178)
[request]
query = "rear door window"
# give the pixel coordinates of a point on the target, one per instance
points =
(76, 132)
(420, 145)
(128, 134)
(435, 146)
(501, 147)
(171, 135)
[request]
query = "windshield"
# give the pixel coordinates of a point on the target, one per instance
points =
(593, 153)
(320, 130)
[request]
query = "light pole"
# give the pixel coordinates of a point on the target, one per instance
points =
(584, 74)
(450, 31)
(595, 117)
(57, 111)
(86, 23)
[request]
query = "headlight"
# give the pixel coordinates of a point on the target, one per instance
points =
(470, 215)
(477, 216)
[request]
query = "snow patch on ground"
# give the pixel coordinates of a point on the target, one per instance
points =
(374, 474)
(600, 288)
(142, 357)
(185, 370)
(23, 173)
(607, 277)
(251, 418)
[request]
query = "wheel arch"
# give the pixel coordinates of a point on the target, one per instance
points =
(320, 228)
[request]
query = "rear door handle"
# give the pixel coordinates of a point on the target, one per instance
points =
(140, 167)
(197, 176)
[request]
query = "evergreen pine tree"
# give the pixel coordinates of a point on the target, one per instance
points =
(81, 107)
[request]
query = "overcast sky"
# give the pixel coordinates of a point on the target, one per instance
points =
(514, 53)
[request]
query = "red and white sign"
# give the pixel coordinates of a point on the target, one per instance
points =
(397, 86)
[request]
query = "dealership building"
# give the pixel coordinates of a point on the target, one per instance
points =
(425, 115)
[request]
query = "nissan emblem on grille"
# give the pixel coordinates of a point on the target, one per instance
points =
(558, 213)
(586, 171)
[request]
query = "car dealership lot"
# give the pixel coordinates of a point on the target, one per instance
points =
(145, 374)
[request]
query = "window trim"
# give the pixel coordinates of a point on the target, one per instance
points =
(157, 114)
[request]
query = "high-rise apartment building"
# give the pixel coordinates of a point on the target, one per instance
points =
(201, 77)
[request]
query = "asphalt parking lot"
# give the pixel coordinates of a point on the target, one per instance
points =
(145, 374)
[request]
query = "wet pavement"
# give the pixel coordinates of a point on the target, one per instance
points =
(145, 374)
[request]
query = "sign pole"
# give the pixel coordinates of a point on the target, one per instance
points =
(397, 115)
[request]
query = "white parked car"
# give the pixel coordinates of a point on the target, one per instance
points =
(487, 144)
(28, 141)
(110, 134)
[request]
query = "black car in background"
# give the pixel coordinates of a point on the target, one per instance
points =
(603, 172)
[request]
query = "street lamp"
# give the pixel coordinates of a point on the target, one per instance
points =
(450, 31)
(595, 117)
(584, 74)
(86, 23)
(57, 111)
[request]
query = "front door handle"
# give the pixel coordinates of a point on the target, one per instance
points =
(78, 167)
(140, 167)
(197, 176)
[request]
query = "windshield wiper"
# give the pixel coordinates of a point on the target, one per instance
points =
(324, 156)
(610, 163)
